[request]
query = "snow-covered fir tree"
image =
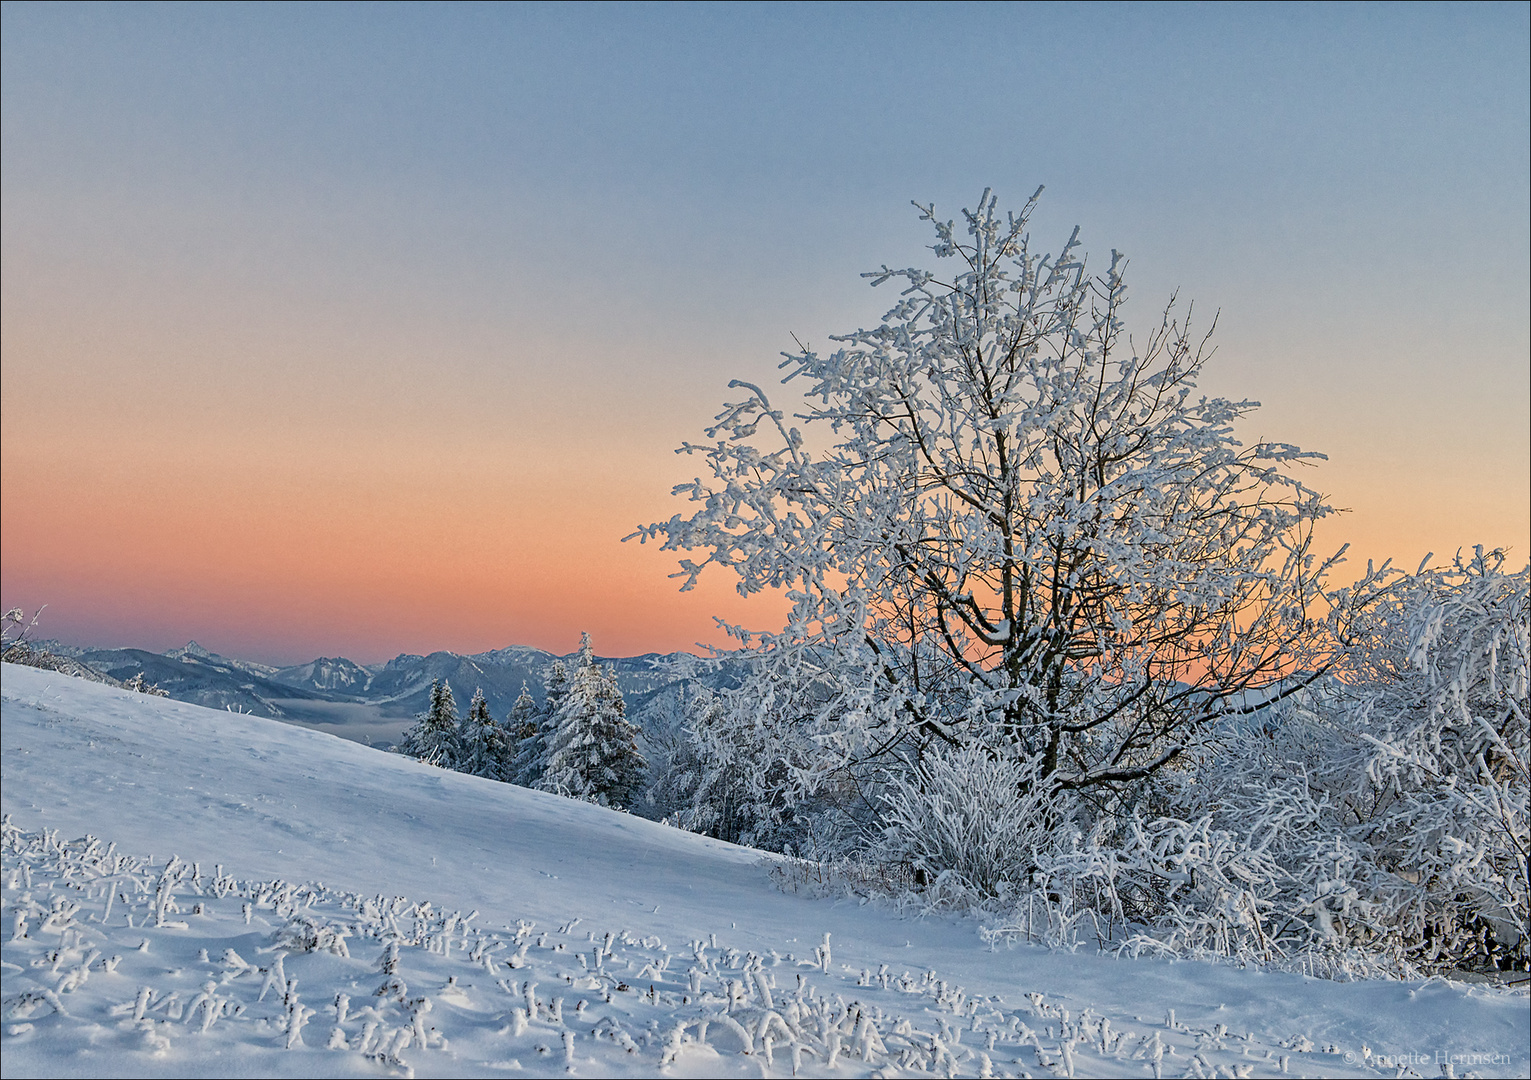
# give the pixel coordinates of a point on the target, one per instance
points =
(434, 738)
(536, 725)
(556, 686)
(487, 749)
(524, 713)
(592, 750)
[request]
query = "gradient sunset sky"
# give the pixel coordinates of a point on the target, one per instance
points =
(355, 330)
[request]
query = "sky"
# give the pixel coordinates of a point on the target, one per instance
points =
(366, 329)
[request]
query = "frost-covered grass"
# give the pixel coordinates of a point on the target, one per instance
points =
(194, 893)
(160, 963)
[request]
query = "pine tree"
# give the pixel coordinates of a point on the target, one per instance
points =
(592, 750)
(531, 751)
(433, 739)
(488, 750)
(522, 726)
(557, 686)
(522, 720)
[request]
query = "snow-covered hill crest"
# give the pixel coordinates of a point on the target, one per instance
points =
(192, 892)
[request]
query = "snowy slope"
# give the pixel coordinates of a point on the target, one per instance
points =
(499, 902)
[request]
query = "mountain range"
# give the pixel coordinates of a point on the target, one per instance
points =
(374, 703)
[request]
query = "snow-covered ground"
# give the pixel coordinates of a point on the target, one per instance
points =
(190, 892)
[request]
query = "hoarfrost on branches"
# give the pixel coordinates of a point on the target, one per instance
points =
(1029, 530)
(1061, 646)
(1375, 823)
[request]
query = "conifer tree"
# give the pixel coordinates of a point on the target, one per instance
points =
(522, 720)
(592, 750)
(531, 751)
(488, 750)
(521, 725)
(433, 738)
(557, 686)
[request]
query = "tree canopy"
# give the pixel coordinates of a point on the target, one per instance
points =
(1027, 528)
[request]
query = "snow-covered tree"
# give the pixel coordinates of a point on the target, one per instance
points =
(486, 748)
(592, 750)
(521, 723)
(723, 776)
(536, 725)
(434, 737)
(1006, 521)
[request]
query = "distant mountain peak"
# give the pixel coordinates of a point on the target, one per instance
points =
(192, 652)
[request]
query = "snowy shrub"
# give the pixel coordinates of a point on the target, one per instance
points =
(675, 767)
(138, 684)
(305, 933)
(969, 823)
(1436, 778)
(731, 780)
(16, 649)
(14, 628)
(1373, 825)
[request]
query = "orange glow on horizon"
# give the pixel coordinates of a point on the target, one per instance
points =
(287, 575)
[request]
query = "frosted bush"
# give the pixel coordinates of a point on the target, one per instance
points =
(305, 933)
(968, 822)
(1438, 775)
(1374, 825)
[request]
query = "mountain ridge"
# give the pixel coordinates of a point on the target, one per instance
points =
(374, 703)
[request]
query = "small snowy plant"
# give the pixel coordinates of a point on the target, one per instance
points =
(14, 628)
(138, 684)
(969, 823)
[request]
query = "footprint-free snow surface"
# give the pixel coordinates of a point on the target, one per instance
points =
(199, 893)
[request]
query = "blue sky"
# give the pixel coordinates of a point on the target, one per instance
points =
(505, 257)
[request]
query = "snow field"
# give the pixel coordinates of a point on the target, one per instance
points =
(546, 937)
(170, 965)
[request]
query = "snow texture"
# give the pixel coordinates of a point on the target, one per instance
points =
(189, 893)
